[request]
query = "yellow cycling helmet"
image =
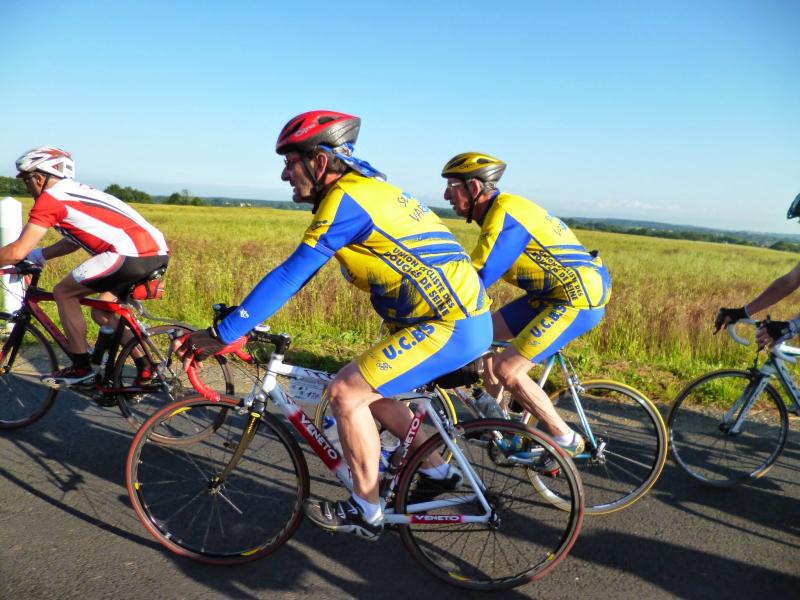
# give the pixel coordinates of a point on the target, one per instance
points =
(474, 165)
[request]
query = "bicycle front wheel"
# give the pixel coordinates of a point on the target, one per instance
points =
(721, 433)
(26, 357)
(138, 400)
(185, 499)
(525, 536)
(626, 444)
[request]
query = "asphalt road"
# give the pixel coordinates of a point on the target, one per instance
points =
(67, 531)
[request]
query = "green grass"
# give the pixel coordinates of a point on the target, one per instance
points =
(656, 334)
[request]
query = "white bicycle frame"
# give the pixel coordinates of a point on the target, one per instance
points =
(269, 388)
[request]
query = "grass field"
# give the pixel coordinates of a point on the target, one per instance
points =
(656, 334)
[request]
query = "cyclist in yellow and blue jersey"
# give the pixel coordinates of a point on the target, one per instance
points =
(566, 287)
(420, 280)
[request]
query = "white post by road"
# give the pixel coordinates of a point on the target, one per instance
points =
(10, 228)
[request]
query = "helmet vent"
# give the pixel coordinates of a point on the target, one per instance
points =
(291, 128)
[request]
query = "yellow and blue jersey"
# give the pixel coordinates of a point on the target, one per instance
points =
(535, 251)
(388, 244)
(395, 248)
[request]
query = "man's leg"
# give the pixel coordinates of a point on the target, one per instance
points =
(67, 294)
(350, 396)
(511, 370)
(501, 333)
(110, 320)
(552, 326)
(396, 417)
(404, 360)
(103, 317)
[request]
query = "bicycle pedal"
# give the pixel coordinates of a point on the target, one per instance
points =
(104, 400)
(553, 474)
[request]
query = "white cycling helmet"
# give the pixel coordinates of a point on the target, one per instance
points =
(47, 159)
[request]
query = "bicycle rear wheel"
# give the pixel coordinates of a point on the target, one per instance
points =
(626, 452)
(26, 357)
(139, 400)
(177, 494)
(526, 536)
(700, 425)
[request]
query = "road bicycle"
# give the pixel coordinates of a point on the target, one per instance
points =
(626, 439)
(237, 495)
(26, 355)
(728, 427)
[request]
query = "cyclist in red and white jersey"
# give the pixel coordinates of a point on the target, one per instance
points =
(124, 247)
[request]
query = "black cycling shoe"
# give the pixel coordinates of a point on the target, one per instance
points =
(427, 488)
(342, 516)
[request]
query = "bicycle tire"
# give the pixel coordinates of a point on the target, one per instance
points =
(703, 446)
(170, 382)
(252, 514)
(524, 527)
(629, 449)
(440, 402)
(24, 399)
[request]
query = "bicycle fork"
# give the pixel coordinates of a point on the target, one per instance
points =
(217, 482)
(8, 352)
(734, 417)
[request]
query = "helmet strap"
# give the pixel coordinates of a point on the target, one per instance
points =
(319, 185)
(47, 177)
(473, 200)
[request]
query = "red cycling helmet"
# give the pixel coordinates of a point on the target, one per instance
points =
(309, 130)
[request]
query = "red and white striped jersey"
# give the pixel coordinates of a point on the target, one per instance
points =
(96, 221)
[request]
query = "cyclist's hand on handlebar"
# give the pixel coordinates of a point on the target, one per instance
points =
(770, 333)
(199, 345)
(729, 316)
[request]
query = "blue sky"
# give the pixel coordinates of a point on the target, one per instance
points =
(683, 112)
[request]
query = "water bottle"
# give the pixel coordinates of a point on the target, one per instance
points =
(102, 344)
(332, 433)
(389, 443)
(487, 404)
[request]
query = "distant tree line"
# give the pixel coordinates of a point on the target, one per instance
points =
(11, 186)
(128, 194)
(184, 198)
(682, 234)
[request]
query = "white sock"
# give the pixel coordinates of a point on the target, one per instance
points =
(565, 440)
(372, 512)
(440, 472)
